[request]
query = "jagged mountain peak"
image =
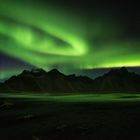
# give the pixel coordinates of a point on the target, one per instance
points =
(33, 72)
(38, 80)
(55, 72)
(121, 71)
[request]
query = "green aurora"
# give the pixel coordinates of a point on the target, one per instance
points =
(48, 36)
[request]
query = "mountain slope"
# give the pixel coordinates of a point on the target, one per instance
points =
(38, 80)
(118, 80)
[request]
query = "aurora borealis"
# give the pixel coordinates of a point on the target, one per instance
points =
(68, 35)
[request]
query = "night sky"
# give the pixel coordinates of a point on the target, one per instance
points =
(76, 36)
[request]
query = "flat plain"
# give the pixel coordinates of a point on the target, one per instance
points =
(70, 117)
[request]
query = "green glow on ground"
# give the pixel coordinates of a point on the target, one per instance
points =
(74, 98)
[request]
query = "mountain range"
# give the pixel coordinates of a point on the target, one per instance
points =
(55, 82)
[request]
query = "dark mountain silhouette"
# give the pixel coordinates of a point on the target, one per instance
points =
(38, 80)
(118, 80)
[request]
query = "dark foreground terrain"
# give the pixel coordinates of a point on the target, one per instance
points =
(26, 119)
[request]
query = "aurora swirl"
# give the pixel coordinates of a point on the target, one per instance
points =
(44, 35)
